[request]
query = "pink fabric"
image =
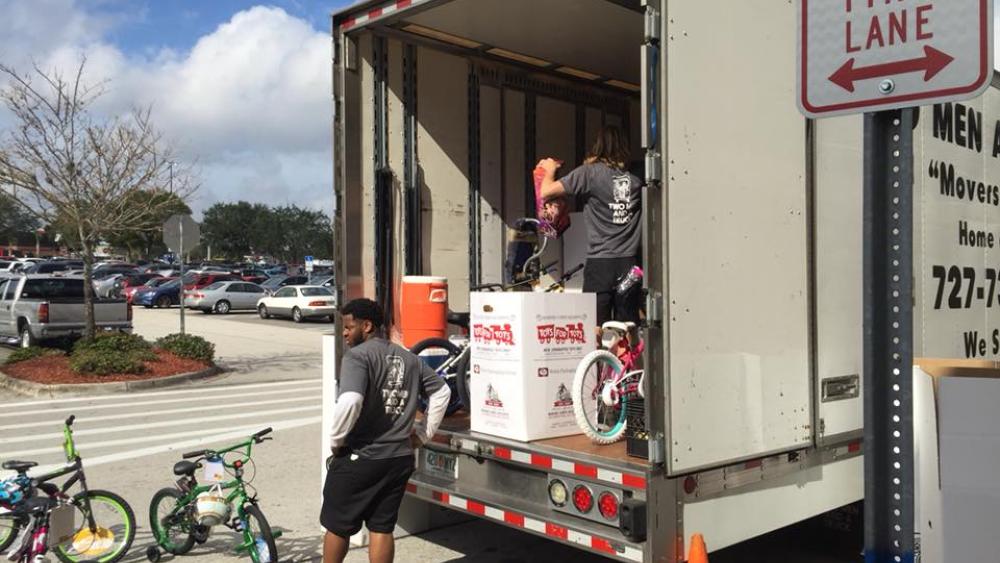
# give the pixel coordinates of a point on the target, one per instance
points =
(553, 214)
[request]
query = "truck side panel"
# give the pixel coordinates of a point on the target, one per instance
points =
(738, 303)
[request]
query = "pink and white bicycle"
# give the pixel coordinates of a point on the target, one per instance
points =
(606, 380)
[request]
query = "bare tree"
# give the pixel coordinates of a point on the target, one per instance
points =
(65, 163)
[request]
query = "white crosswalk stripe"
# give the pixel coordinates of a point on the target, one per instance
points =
(113, 428)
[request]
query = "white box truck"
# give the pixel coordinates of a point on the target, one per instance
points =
(752, 245)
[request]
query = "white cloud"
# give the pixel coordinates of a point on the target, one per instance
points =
(249, 102)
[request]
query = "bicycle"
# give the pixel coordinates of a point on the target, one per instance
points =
(182, 515)
(108, 523)
(606, 380)
(457, 355)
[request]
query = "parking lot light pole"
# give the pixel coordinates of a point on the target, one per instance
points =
(180, 253)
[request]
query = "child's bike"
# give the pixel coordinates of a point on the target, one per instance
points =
(606, 380)
(182, 515)
(92, 525)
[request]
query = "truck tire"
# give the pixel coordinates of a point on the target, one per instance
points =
(25, 338)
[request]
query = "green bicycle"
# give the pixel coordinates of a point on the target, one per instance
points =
(106, 522)
(182, 515)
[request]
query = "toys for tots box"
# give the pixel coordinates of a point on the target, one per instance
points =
(525, 349)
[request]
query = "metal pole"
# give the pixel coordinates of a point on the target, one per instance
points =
(888, 336)
(180, 251)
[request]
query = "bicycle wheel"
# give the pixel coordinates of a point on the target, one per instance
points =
(171, 532)
(603, 424)
(435, 352)
(110, 540)
(9, 528)
(257, 532)
(463, 379)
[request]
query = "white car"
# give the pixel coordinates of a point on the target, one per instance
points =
(299, 302)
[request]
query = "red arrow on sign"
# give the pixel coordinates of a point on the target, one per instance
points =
(931, 63)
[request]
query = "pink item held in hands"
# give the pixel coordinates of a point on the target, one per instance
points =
(553, 215)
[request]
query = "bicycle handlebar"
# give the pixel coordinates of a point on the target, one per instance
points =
(262, 433)
(69, 421)
(196, 453)
(257, 437)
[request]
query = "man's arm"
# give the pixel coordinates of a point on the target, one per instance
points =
(551, 188)
(439, 395)
(353, 384)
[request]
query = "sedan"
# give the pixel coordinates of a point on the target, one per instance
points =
(277, 282)
(163, 296)
(131, 290)
(299, 302)
(225, 296)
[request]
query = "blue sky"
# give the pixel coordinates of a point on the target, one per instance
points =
(240, 89)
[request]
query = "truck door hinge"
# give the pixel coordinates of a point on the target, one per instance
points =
(654, 307)
(651, 31)
(654, 170)
(657, 449)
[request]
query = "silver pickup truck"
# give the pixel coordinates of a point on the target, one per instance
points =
(40, 307)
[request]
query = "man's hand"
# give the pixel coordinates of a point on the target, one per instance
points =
(415, 441)
(550, 165)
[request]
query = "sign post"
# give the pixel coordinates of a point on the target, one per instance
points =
(180, 232)
(309, 267)
(885, 58)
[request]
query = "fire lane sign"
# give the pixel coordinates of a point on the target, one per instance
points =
(868, 55)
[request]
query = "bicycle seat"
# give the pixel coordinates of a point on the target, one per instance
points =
(185, 467)
(459, 319)
(19, 466)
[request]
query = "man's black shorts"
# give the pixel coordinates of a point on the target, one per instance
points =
(600, 276)
(364, 490)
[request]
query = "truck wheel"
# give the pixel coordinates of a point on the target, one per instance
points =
(297, 315)
(163, 302)
(27, 339)
(222, 307)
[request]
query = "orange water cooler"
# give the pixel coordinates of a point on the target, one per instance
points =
(423, 308)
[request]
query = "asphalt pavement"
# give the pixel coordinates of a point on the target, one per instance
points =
(131, 441)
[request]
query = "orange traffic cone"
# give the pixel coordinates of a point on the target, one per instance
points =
(697, 553)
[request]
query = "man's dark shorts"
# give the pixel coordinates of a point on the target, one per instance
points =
(365, 491)
(600, 276)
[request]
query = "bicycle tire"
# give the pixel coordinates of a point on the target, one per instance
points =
(587, 407)
(463, 381)
(156, 525)
(435, 342)
(261, 532)
(455, 403)
(83, 551)
(9, 530)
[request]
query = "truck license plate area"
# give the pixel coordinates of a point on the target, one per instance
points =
(840, 388)
(440, 465)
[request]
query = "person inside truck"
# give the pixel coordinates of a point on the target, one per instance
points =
(374, 433)
(611, 196)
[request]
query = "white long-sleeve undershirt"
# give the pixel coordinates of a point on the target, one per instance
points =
(345, 416)
(437, 405)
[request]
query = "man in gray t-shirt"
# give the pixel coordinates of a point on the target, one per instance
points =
(612, 199)
(374, 434)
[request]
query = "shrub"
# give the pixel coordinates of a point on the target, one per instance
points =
(188, 346)
(109, 353)
(100, 362)
(22, 354)
(113, 342)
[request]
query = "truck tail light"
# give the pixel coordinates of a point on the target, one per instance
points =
(583, 499)
(607, 503)
(43, 313)
(129, 309)
(558, 493)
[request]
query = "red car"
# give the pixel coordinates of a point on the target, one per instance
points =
(198, 281)
(130, 290)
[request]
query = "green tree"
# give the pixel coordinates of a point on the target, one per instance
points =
(304, 232)
(17, 225)
(147, 240)
(234, 230)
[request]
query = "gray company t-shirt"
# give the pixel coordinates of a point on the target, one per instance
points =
(613, 210)
(390, 378)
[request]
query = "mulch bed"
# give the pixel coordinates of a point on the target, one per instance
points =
(55, 370)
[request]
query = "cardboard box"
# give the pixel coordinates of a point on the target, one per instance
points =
(957, 452)
(525, 350)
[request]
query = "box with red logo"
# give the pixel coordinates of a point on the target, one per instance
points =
(525, 350)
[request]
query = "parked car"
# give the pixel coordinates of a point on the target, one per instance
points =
(105, 285)
(131, 290)
(104, 270)
(198, 281)
(325, 281)
(277, 282)
(276, 270)
(34, 308)
(255, 275)
(165, 295)
(49, 267)
(299, 302)
(225, 296)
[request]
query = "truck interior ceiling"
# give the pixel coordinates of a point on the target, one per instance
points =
(468, 95)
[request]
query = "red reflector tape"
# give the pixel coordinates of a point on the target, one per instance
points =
(541, 461)
(441, 497)
(411, 488)
(502, 453)
(585, 470)
(601, 544)
(753, 463)
(476, 508)
(513, 518)
(556, 531)
(855, 447)
(402, 4)
(375, 13)
(633, 481)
